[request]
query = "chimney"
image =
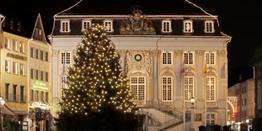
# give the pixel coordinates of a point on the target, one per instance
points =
(18, 26)
(2, 18)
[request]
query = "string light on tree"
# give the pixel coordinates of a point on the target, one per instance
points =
(95, 81)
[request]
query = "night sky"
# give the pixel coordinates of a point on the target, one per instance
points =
(238, 18)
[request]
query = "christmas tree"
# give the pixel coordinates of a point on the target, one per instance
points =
(97, 88)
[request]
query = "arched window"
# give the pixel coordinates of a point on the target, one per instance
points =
(167, 88)
(189, 87)
(138, 85)
(210, 88)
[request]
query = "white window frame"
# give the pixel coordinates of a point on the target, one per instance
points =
(186, 28)
(188, 61)
(211, 118)
(86, 24)
(167, 57)
(65, 58)
(109, 28)
(65, 26)
(167, 88)
(189, 87)
(209, 26)
(211, 88)
(137, 92)
(166, 26)
(210, 58)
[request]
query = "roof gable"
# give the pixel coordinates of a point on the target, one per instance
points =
(38, 31)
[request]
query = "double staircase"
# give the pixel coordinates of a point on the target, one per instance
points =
(158, 120)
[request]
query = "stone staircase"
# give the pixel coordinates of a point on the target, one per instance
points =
(165, 121)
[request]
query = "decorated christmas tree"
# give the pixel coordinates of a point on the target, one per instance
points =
(97, 88)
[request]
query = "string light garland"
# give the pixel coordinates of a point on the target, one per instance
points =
(95, 80)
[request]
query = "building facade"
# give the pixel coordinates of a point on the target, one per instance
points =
(245, 93)
(175, 62)
(14, 63)
(25, 74)
(257, 73)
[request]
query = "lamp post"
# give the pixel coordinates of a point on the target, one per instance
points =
(2, 103)
(192, 100)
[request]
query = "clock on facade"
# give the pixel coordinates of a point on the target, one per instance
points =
(138, 57)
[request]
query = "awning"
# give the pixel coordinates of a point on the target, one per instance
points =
(7, 111)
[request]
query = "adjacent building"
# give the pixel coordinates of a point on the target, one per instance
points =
(25, 72)
(256, 62)
(176, 62)
(245, 111)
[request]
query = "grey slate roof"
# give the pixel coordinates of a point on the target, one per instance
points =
(124, 7)
(120, 12)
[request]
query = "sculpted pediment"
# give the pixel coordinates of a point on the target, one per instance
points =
(137, 24)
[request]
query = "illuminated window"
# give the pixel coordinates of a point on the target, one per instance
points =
(188, 58)
(211, 118)
(189, 87)
(137, 85)
(188, 26)
(167, 88)
(108, 24)
(209, 27)
(86, 24)
(211, 88)
(166, 26)
(210, 58)
(65, 58)
(65, 26)
(167, 58)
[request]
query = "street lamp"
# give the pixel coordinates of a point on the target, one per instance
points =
(2, 103)
(192, 100)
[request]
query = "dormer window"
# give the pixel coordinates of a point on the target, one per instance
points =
(65, 26)
(166, 26)
(86, 24)
(209, 26)
(108, 24)
(188, 26)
